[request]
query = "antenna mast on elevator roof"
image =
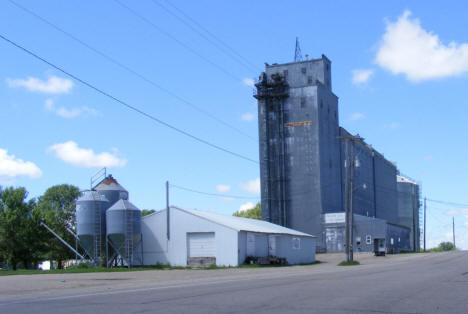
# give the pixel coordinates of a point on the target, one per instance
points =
(298, 53)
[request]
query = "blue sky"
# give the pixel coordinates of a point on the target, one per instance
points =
(398, 68)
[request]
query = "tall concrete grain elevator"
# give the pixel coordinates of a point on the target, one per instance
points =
(299, 149)
(302, 163)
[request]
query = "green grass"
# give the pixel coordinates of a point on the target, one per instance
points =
(79, 270)
(407, 252)
(436, 250)
(350, 263)
(274, 265)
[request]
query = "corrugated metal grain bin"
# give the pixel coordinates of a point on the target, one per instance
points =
(112, 190)
(91, 223)
(124, 229)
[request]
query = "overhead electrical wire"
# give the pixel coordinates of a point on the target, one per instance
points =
(130, 70)
(214, 40)
(441, 223)
(436, 208)
(181, 43)
(213, 194)
(125, 104)
(212, 35)
(447, 203)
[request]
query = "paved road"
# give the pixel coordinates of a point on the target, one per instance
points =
(413, 283)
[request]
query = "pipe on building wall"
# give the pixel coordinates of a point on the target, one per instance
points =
(283, 170)
(267, 148)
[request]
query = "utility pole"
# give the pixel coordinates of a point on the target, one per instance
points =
(351, 190)
(346, 204)
(424, 224)
(168, 213)
(349, 166)
(453, 231)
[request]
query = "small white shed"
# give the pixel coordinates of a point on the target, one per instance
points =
(197, 237)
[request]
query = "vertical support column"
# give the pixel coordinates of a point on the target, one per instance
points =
(351, 190)
(283, 165)
(142, 255)
(168, 215)
(346, 203)
(107, 252)
(424, 224)
(453, 231)
(266, 160)
(76, 241)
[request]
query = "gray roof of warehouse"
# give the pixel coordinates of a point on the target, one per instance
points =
(244, 224)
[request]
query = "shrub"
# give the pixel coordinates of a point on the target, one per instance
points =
(446, 246)
(83, 265)
(349, 263)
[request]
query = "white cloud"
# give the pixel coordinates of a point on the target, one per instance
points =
(449, 236)
(69, 113)
(248, 82)
(461, 237)
(407, 48)
(451, 212)
(459, 211)
(53, 85)
(462, 241)
(11, 167)
(49, 104)
(228, 199)
(81, 157)
(427, 157)
(246, 206)
(252, 186)
(361, 76)
(7, 181)
(222, 188)
(247, 116)
(392, 125)
(357, 116)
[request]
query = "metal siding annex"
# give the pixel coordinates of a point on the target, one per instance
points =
(197, 234)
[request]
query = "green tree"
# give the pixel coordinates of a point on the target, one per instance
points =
(254, 212)
(57, 207)
(145, 212)
(20, 235)
(446, 246)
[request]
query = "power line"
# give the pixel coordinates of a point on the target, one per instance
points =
(167, 34)
(214, 40)
(212, 194)
(198, 139)
(211, 34)
(448, 203)
(437, 208)
(441, 223)
(130, 70)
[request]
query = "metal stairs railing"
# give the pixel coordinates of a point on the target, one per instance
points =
(97, 232)
(129, 237)
(96, 178)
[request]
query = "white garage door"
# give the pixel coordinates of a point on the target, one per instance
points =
(201, 244)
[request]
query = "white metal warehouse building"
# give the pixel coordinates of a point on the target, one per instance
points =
(224, 240)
